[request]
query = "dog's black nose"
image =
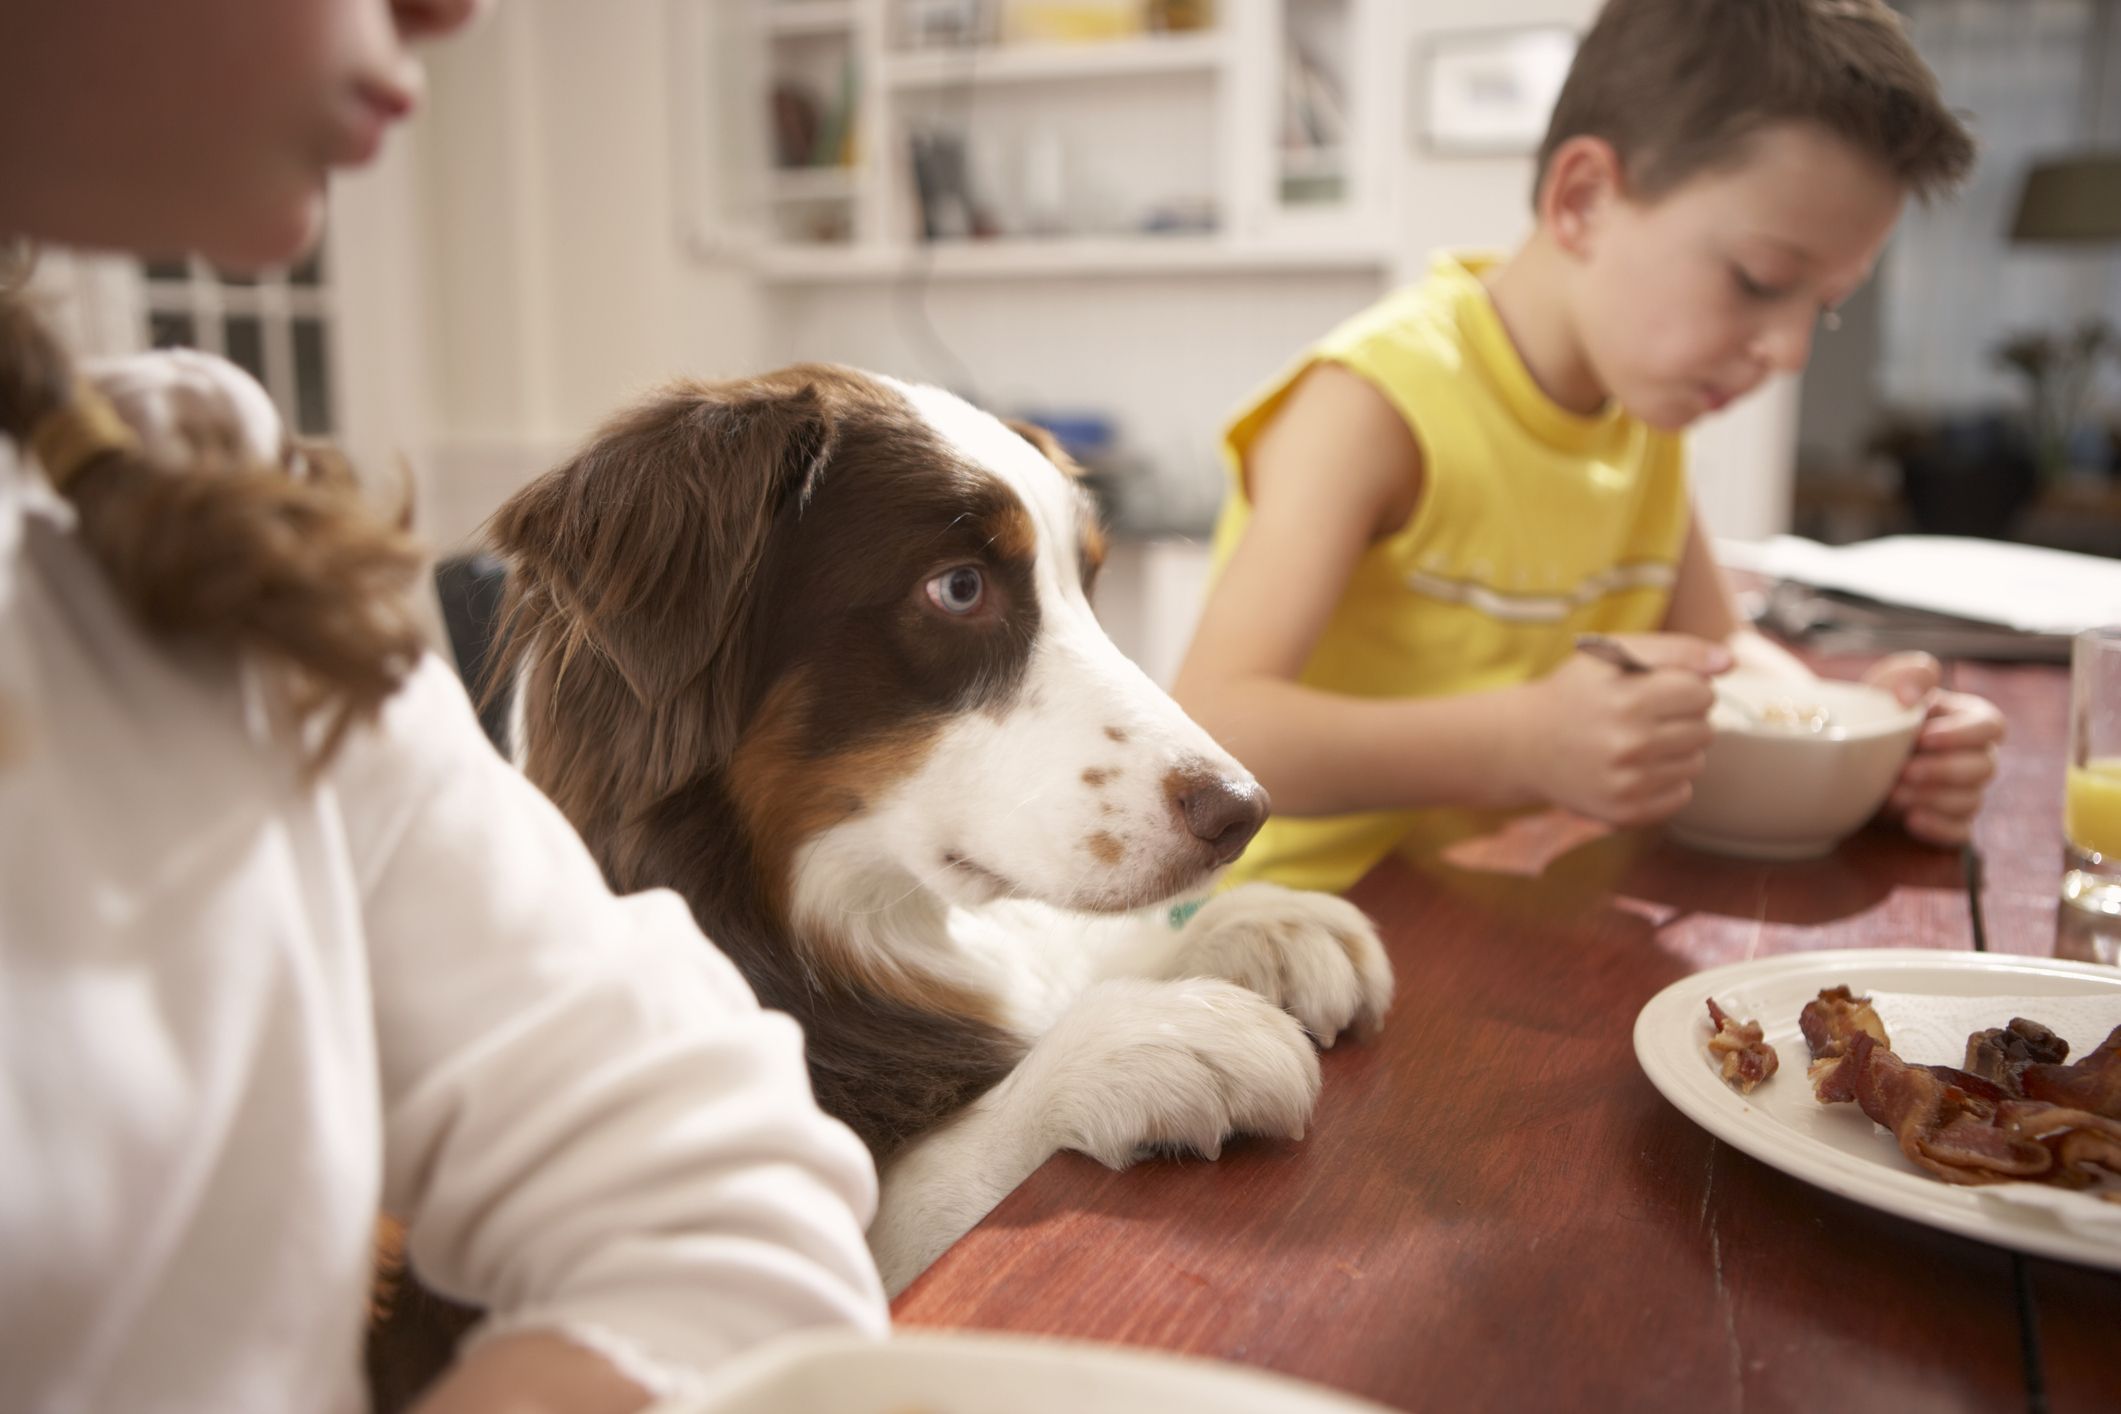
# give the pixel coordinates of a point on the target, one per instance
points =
(1222, 811)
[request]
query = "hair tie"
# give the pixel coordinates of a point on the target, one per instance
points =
(82, 430)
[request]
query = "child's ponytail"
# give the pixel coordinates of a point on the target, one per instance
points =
(285, 567)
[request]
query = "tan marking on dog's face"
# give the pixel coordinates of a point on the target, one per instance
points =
(788, 798)
(1011, 533)
(787, 795)
(1098, 775)
(1105, 847)
(1091, 545)
(1115, 734)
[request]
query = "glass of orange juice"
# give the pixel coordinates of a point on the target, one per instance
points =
(2091, 802)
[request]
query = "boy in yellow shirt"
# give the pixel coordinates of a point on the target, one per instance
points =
(1444, 492)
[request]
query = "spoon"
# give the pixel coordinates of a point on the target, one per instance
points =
(1612, 650)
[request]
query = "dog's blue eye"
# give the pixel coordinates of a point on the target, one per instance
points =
(958, 591)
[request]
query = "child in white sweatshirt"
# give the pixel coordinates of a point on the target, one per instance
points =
(283, 943)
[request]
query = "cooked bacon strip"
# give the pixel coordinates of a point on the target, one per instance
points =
(1747, 1058)
(2093, 1083)
(2002, 1053)
(2083, 1153)
(1940, 1123)
(1970, 1149)
(1829, 1024)
(2083, 1143)
(1835, 1019)
(2014, 1112)
(1971, 1087)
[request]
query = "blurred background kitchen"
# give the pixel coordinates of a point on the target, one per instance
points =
(1116, 217)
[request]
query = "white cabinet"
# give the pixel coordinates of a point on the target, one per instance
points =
(1032, 138)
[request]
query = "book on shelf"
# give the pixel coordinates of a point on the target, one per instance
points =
(1314, 111)
(939, 185)
(836, 129)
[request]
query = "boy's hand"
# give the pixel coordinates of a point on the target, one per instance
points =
(1618, 746)
(1955, 756)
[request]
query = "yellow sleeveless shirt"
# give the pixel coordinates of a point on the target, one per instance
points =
(1534, 525)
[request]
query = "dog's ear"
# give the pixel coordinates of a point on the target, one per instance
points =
(645, 544)
(1048, 444)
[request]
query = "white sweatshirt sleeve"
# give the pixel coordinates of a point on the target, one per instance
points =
(590, 1124)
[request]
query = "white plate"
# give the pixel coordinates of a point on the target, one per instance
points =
(1836, 1146)
(960, 1373)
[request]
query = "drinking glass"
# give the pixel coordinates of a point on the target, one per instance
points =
(2091, 804)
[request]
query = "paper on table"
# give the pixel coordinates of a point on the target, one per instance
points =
(2024, 587)
(1927, 1029)
(1931, 1030)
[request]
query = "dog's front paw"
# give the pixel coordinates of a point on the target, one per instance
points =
(1187, 1064)
(1315, 954)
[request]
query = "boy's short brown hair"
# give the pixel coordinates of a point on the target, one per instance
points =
(1679, 87)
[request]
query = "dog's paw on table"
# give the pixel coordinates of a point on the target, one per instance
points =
(1139, 1066)
(1314, 954)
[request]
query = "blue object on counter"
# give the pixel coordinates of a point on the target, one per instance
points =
(1083, 434)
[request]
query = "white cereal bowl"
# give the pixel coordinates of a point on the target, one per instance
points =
(1780, 792)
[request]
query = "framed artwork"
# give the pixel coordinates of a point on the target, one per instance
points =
(1487, 93)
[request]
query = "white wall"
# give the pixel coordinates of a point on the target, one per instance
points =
(560, 287)
(1842, 401)
(1169, 358)
(1443, 201)
(384, 325)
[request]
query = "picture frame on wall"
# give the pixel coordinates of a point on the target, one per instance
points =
(1488, 93)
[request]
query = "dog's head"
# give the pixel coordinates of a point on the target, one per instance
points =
(861, 607)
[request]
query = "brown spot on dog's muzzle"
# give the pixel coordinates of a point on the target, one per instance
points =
(1221, 811)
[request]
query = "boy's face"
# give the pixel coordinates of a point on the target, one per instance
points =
(1688, 302)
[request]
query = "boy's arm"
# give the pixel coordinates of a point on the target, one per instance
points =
(1334, 471)
(1702, 605)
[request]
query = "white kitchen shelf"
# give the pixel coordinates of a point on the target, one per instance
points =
(1205, 52)
(1075, 257)
(804, 184)
(1313, 162)
(1156, 122)
(806, 16)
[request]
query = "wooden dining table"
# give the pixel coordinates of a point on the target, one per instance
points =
(1493, 1208)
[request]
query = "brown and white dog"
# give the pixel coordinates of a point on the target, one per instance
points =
(815, 650)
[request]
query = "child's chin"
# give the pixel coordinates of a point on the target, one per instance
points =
(276, 232)
(1666, 415)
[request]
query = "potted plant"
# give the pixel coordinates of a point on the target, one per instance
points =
(2058, 370)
